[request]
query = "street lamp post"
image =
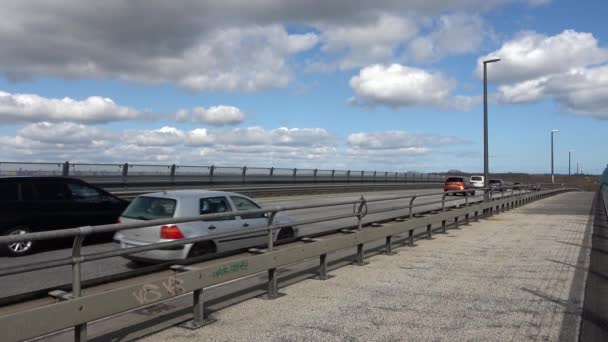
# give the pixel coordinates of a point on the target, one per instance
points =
(553, 131)
(570, 162)
(486, 167)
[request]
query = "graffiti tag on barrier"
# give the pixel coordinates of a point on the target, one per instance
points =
(149, 293)
(232, 268)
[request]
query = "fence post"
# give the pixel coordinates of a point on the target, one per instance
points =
(65, 171)
(374, 181)
(315, 175)
(244, 174)
(125, 172)
(348, 176)
(295, 172)
(211, 171)
(333, 172)
(173, 167)
(386, 177)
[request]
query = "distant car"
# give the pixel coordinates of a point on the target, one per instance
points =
(185, 203)
(34, 204)
(497, 185)
(458, 183)
(516, 186)
(477, 181)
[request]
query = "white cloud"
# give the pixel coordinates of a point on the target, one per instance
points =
(531, 55)
(391, 140)
(164, 136)
(456, 33)
(563, 67)
(66, 133)
(94, 109)
(402, 86)
(216, 115)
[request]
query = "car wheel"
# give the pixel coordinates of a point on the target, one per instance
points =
(286, 234)
(19, 248)
(202, 248)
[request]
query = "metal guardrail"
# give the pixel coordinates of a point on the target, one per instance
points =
(75, 310)
(137, 174)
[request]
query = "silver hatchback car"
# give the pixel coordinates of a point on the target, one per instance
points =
(186, 203)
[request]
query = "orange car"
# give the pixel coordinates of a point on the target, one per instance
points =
(458, 183)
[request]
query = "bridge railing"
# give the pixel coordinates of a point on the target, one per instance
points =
(131, 174)
(76, 310)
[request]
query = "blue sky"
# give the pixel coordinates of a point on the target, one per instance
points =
(338, 84)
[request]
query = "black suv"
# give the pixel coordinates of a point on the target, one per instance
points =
(32, 204)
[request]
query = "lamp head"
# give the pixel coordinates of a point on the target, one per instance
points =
(491, 60)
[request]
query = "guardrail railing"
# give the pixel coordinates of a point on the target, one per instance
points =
(75, 310)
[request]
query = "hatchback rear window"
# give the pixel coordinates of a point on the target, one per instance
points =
(476, 178)
(150, 208)
(454, 179)
(8, 192)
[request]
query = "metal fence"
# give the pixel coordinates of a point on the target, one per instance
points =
(76, 310)
(132, 174)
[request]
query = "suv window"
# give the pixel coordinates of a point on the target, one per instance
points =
(84, 193)
(475, 178)
(242, 204)
(150, 208)
(214, 205)
(9, 192)
(52, 191)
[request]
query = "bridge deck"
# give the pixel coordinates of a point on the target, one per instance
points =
(516, 276)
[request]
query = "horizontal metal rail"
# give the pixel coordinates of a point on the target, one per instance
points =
(76, 310)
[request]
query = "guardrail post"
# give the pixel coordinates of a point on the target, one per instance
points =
(80, 331)
(360, 253)
(386, 177)
(443, 227)
(411, 205)
(362, 178)
(466, 219)
(429, 232)
(476, 216)
(333, 173)
(443, 201)
(456, 223)
(389, 246)
(348, 176)
(244, 174)
(374, 181)
(295, 172)
(466, 198)
(271, 171)
(65, 171)
(410, 237)
(315, 175)
(323, 268)
(272, 272)
(211, 171)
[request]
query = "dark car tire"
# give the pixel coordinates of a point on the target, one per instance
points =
(17, 249)
(202, 248)
(285, 234)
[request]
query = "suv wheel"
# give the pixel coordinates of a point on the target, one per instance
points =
(19, 248)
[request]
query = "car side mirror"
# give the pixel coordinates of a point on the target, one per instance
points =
(266, 215)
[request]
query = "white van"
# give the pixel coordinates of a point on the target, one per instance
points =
(477, 181)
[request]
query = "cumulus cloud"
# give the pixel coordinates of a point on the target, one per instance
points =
(216, 115)
(94, 109)
(66, 133)
(582, 91)
(531, 55)
(402, 86)
(456, 33)
(568, 67)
